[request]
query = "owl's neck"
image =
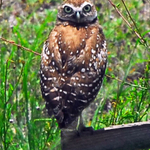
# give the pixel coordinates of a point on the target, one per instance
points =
(78, 25)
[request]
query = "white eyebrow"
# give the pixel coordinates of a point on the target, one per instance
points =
(77, 8)
(86, 3)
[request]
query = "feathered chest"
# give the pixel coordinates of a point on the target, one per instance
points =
(70, 46)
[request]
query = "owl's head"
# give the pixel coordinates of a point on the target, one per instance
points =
(77, 11)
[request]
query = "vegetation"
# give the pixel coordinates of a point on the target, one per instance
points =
(124, 97)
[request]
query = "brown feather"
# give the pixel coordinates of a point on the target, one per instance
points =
(73, 65)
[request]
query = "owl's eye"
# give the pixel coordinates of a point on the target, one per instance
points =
(87, 8)
(68, 9)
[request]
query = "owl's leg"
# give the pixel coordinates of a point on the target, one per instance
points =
(80, 124)
(81, 127)
(73, 126)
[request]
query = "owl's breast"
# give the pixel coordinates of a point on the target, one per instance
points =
(78, 48)
(72, 39)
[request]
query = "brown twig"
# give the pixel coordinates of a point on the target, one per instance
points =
(129, 14)
(127, 83)
(26, 49)
(1, 3)
(137, 34)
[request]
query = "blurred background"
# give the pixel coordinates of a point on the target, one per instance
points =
(125, 94)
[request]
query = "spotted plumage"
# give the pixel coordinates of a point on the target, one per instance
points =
(73, 61)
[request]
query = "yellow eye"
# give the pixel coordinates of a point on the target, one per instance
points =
(87, 8)
(68, 9)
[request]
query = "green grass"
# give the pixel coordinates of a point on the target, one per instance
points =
(126, 87)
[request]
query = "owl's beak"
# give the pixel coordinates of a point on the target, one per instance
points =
(78, 16)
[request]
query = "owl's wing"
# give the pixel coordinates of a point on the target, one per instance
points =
(50, 71)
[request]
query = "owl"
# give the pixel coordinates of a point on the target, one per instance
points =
(73, 61)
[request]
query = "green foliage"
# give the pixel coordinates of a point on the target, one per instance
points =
(127, 83)
(124, 97)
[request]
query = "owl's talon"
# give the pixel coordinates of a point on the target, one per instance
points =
(90, 129)
(78, 133)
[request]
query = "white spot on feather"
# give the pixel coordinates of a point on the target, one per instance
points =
(93, 51)
(83, 70)
(52, 54)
